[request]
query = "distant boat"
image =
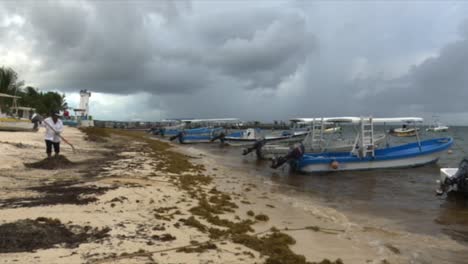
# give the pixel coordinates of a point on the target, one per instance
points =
(250, 136)
(404, 131)
(19, 121)
(364, 156)
(436, 126)
(197, 135)
(15, 124)
(439, 128)
(207, 130)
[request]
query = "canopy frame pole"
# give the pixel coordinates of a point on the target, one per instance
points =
(417, 137)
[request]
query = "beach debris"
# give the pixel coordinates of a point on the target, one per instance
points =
(58, 193)
(276, 246)
(250, 213)
(165, 214)
(212, 204)
(392, 248)
(52, 163)
(198, 248)
(164, 237)
(119, 199)
(27, 235)
(193, 222)
(262, 217)
(18, 145)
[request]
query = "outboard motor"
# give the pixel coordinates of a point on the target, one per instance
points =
(294, 154)
(178, 136)
(221, 137)
(458, 182)
(257, 146)
(154, 131)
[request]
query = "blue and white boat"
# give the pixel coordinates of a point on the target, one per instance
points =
(250, 136)
(208, 130)
(198, 135)
(364, 155)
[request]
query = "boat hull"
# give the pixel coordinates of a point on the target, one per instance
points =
(404, 132)
(437, 129)
(403, 156)
(16, 125)
(273, 151)
(199, 135)
(338, 145)
(240, 142)
(192, 139)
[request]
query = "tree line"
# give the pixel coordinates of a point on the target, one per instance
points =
(43, 102)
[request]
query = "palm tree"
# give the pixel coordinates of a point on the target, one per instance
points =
(9, 83)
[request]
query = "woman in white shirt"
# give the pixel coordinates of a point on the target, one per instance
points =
(54, 127)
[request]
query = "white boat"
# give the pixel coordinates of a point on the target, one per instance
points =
(439, 128)
(436, 126)
(404, 131)
(330, 130)
(250, 136)
(315, 141)
(17, 121)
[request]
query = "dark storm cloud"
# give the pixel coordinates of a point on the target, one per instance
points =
(438, 84)
(269, 55)
(249, 59)
(160, 46)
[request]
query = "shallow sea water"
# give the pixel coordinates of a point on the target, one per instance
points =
(406, 197)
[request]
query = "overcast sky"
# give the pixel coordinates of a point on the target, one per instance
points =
(255, 60)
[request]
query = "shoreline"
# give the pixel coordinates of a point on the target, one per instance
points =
(165, 203)
(392, 243)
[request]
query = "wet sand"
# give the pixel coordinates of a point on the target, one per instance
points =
(381, 234)
(142, 206)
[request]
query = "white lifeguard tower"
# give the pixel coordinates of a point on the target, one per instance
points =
(82, 113)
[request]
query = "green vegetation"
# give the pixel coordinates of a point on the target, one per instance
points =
(43, 102)
(95, 134)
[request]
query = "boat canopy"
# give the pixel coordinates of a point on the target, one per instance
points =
(398, 120)
(324, 119)
(8, 96)
(356, 120)
(211, 120)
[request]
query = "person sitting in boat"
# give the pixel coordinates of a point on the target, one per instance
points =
(54, 126)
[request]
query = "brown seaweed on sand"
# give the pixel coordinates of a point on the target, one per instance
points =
(52, 163)
(28, 235)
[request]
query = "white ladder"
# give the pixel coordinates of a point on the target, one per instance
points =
(367, 137)
(317, 134)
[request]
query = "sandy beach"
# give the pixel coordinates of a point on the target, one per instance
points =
(125, 198)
